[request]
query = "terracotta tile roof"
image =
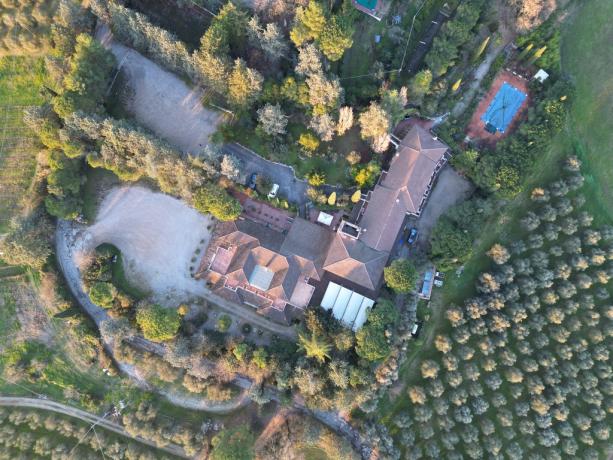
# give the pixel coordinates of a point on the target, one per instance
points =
(265, 266)
(403, 189)
(352, 259)
(276, 272)
(308, 241)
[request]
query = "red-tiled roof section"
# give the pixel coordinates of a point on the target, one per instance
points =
(403, 189)
(351, 259)
(263, 265)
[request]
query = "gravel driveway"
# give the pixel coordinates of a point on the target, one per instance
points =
(157, 236)
(450, 189)
(68, 243)
(162, 102)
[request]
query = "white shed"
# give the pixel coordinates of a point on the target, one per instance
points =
(541, 75)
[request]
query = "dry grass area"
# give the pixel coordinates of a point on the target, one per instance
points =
(158, 237)
(23, 316)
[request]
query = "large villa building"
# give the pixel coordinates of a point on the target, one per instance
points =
(280, 273)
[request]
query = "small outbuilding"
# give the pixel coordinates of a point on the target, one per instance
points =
(541, 76)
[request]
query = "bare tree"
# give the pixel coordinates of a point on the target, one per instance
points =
(345, 120)
(375, 125)
(309, 61)
(324, 126)
(272, 120)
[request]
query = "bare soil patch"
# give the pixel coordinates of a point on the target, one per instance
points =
(158, 237)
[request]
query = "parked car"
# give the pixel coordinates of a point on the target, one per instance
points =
(273, 191)
(252, 181)
(415, 329)
(438, 282)
(413, 234)
(440, 275)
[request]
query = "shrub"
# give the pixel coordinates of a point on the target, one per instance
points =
(401, 276)
(158, 323)
(366, 175)
(308, 141)
(103, 294)
(223, 323)
(216, 201)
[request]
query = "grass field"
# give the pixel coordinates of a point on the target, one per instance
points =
(20, 83)
(587, 133)
(587, 56)
(8, 321)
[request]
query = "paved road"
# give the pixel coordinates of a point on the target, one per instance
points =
(52, 406)
(289, 186)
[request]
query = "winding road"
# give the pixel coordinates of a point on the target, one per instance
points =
(65, 236)
(52, 406)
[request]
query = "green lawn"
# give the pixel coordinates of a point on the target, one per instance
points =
(20, 83)
(20, 80)
(8, 321)
(119, 276)
(587, 56)
(586, 133)
(336, 171)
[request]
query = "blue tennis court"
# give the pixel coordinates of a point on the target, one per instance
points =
(503, 108)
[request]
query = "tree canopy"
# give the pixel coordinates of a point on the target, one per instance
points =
(314, 346)
(401, 276)
(103, 294)
(158, 323)
(372, 341)
(211, 199)
(309, 23)
(335, 38)
(86, 83)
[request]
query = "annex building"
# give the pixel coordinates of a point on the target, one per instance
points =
(280, 273)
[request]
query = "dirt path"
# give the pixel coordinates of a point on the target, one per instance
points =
(478, 76)
(161, 101)
(52, 406)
